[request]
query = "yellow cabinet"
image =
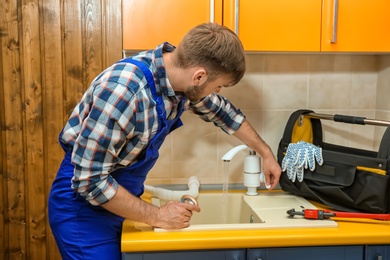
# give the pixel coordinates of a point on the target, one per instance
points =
(147, 23)
(356, 25)
(275, 25)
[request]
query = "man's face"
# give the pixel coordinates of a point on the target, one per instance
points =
(196, 93)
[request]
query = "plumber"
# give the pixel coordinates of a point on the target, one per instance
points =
(112, 137)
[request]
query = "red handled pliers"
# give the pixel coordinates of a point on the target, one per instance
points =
(326, 214)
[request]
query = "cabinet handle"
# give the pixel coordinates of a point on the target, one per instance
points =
(212, 6)
(237, 6)
(335, 18)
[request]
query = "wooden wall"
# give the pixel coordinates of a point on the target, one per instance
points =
(50, 52)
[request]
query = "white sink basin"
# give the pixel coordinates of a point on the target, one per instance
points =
(235, 211)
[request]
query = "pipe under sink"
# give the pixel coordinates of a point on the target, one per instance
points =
(165, 194)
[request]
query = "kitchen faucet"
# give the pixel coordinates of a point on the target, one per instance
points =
(253, 176)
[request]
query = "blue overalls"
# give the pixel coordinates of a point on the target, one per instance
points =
(83, 231)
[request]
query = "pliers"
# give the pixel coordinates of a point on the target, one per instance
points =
(326, 214)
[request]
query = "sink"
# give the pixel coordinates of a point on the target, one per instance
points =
(237, 211)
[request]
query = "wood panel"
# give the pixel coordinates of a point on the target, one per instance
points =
(50, 51)
(53, 102)
(13, 192)
(3, 32)
(33, 129)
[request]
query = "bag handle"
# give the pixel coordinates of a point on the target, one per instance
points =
(384, 148)
(349, 119)
(297, 115)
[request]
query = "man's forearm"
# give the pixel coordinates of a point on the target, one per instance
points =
(247, 134)
(131, 207)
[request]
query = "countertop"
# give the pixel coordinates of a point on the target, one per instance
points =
(138, 237)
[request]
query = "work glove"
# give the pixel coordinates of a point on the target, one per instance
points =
(300, 156)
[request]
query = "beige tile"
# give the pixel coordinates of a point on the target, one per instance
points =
(364, 81)
(196, 139)
(274, 123)
(194, 149)
(382, 115)
(383, 88)
(195, 167)
(330, 82)
(254, 63)
(247, 94)
(277, 65)
(285, 81)
(285, 96)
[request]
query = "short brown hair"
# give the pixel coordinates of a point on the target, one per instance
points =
(215, 47)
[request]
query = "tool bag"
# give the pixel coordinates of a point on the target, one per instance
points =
(349, 179)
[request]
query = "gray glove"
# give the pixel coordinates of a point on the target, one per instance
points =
(300, 156)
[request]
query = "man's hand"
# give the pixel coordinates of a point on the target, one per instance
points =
(176, 215)
(272, 171)
(173, 215)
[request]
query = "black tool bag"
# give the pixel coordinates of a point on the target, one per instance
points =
(350, 179)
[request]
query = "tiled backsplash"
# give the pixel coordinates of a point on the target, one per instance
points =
(274, 86)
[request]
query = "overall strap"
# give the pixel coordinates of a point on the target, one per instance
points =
(160, 103)
(146, 71)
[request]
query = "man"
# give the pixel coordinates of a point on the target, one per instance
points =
(113, 135)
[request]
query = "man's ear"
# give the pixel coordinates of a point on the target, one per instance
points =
(199, 77)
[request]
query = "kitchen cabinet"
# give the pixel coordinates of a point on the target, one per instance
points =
(377, 252)
(277, 25)
(356, 26)
(310, 25)
(148, 23)
(299, 253)
(239, 254)
(357, 252)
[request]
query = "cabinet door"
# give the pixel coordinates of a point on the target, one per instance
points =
(356, 25)
(148, 23)
(377, 252)
(277, 25)
(299, 253)
(239, 254)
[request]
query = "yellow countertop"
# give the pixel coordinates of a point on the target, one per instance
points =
(137, 237)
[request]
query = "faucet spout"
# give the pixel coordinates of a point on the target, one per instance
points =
(227, 157)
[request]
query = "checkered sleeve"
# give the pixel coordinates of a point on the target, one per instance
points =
(217, 109)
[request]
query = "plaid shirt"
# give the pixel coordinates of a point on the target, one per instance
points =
(116, 118)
